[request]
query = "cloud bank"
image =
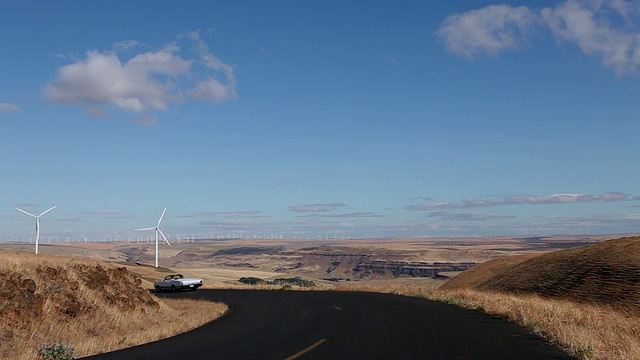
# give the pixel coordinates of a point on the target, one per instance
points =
(602, 28)
(148, 81)
(316, 207)
(521, 200)
(445, 215)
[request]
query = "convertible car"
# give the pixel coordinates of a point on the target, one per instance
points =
(177, 282)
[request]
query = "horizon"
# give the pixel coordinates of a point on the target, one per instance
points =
(346, 120)
(134, 237)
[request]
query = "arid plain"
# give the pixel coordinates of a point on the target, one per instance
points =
(413, 261)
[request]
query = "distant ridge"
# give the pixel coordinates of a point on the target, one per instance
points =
(605, 273)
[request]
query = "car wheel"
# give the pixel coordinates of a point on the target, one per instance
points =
(158, 289)
(173, 288)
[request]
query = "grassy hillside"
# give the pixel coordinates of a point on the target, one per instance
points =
(92, 306)
(473, 277)
(606, 273)
(585, 299)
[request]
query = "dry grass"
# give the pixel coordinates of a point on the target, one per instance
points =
(102, 325)
(607, 273)
(585, 331)
(113, 329)
(123, 330)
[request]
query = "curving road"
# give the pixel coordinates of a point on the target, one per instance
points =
(342, 325)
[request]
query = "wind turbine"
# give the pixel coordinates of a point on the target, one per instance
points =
(37, 222)
(158, 231)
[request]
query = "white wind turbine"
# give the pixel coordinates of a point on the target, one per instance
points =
(37, 222)
(158, 231)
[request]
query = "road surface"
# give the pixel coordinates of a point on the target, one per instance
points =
(342, 325)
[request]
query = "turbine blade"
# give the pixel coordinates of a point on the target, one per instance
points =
(46, 211)
(161, 216)
(26, 212)
(164, 237)
(145, 229)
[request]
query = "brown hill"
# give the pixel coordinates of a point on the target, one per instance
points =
(36, 289)
(603, 273)
(89, 305)
(482, 272)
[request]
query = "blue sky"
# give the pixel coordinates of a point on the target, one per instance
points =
(331, 118)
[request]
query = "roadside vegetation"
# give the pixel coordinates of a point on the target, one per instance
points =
(585, 331)
(284, 282)
(53, 305)
(585, 300)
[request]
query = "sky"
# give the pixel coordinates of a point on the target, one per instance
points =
(319, 118)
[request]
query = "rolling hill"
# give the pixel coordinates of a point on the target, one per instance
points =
(605, 273)
(89, 305)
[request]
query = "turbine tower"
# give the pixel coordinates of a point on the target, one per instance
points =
(37, 222)
(158, 231)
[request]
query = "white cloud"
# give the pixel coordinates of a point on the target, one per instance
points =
(165, 61)
(102, 79)
(212, 90)
(488, 30)
(9, 107)
(149, 81)
(590, 26)
(603, 28)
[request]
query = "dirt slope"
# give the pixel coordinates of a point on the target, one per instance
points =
(37, 290)
(604, 273)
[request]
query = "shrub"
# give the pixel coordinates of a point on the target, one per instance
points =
(251, 280)
(56, 352)
(297, 281)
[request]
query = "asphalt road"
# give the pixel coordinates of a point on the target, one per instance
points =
(342, 325)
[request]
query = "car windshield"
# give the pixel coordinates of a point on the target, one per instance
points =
(173, 277)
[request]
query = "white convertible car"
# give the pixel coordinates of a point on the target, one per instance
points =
(177, 282)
